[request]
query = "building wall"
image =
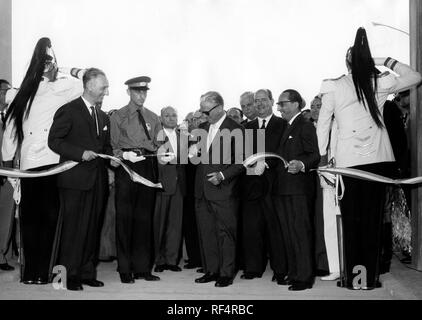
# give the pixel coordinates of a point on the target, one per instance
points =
(6, 40)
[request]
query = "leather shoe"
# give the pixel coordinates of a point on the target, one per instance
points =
(93, 283)
(284, 282)
(299, 286)
(191, 266)
(331, 277)
(250, 275)
(200, 270)
(126, 278)
(377, 284)
(6, 267)
(173, 268)
(278, 276)
(29, 281)
(74, 285)
(223, 282)
(41, 280)
(208, 277)
(147, 276)
(160, 268)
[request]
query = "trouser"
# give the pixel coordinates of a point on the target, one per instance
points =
(80, 219)
(134, 213)
(7, 206)
(39, 211)
(262, 235)
(217, 224)
(190, 231)
(331, 210)
(294, 215)
(168, 217)
(320, 250)
(362, 209)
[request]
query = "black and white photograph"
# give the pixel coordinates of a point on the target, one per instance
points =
(211, 154)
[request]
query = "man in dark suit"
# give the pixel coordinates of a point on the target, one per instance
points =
(168, 215)
(80, 131)
(299, 147)
(261, 227)
(216, 190)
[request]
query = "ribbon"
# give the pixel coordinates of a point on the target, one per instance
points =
(348, 172)
(16, 173)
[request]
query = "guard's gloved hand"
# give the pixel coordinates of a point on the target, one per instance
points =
(132, 156)
(167, 158)
(12, 181)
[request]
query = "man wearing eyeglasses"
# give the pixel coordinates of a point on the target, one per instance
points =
(216, 191)
(291, 192)
(261, 229)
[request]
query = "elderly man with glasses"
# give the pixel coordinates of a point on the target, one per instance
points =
(216, 191)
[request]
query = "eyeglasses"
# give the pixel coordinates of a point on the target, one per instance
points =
(207, 113)
(281, 103)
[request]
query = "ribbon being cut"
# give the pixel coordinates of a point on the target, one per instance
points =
(349, 172)
(16, 173)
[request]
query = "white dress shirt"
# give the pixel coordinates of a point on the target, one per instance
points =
(267, 119)
(171, 134)
(213, 130)
(48, 99)
(293, 118)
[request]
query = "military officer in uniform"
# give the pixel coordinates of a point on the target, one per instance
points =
(134, 129)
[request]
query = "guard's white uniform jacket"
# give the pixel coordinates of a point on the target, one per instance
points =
(359, 140)
(48, 99)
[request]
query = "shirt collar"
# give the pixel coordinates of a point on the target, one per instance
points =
(87, 104)
(219, 122)
(267, 119)
(294, 117)
(169, 131)
(134, 108)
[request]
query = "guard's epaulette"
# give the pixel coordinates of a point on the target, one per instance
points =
(384, 74)
(334, 79)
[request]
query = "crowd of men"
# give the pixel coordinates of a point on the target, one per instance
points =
(229, 217)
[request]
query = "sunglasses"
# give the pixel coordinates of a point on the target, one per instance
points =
(207, 113)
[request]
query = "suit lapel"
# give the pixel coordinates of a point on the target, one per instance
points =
(87, 116)
(289, 129)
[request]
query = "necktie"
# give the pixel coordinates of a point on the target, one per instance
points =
(94, 120)
(263, 124)
(210, 136)
(142, 121)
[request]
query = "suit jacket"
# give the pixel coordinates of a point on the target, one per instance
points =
(256, 187)
(228, 153)
(173, 173)
(299, 142)
(73, 132)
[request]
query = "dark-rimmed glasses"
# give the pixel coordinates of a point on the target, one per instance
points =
(207, 113)
(281, 103)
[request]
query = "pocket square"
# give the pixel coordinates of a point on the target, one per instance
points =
(105, 128)
(290, 137)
